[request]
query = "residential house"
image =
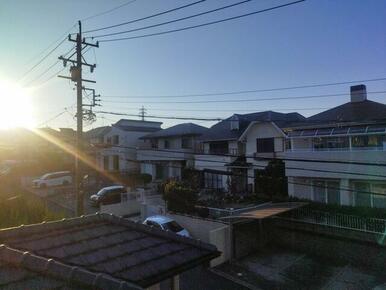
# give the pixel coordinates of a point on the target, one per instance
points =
(333, 156)
(163, 154)
(264, 141)
(97, 252)
(224, 147)
(117, 144)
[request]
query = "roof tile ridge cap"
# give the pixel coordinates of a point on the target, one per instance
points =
(23, 230)
(160, 233)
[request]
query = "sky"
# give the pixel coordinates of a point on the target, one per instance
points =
(308, 43)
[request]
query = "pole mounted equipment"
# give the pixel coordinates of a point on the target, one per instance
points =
(81, 113)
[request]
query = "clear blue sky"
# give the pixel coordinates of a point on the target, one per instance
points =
(312, 42)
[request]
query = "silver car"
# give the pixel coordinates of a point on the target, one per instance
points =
(167, 224)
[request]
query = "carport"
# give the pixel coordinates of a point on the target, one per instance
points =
(265, 211)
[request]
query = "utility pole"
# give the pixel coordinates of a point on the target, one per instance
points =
(79, 124)
(76, 76)
(142, 113)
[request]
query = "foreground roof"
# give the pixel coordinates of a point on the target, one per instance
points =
(184, 129)
(352, 112)
(112, 249)
(222, 130)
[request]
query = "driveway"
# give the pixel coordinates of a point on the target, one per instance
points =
(277, 268)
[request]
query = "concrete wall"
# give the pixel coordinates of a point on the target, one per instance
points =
(209, 231)
(128, 206)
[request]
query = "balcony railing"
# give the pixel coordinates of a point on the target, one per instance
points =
(346, 149)
(338, 220)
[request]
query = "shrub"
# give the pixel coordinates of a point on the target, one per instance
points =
(179, 197)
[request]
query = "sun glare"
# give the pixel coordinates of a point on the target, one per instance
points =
(15, 108)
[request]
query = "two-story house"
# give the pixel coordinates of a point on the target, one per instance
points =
(224, 147)
(333, 156)
(117, 144)
(163, 154)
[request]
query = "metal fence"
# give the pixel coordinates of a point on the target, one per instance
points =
(338, 220)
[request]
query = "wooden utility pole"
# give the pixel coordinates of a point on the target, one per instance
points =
(79, 123)
(76, 76)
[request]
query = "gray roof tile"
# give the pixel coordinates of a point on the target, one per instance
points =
(106, 244)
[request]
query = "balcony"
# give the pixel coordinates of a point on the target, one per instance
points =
(149, 154)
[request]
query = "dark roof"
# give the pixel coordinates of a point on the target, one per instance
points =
(105, 244)
(23, 270)
(184, 129)
(222, 130)
(97, 132)
(364, 111)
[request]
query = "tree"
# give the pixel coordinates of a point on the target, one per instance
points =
(272, 181)
(179, 197)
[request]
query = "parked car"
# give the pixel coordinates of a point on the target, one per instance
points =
(53, 179)
(107, 195)
(167, 224)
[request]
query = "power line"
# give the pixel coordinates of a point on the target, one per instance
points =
(172, 21)
(251, 91)
(51, 44)
(160, 117)
(144, 18)
(239, 100)
(42, 59)
(108, 11)
(51, 77)
(47, 70)
(230, 110)
(204, 24)
(51, 119)
(252, 165)
(270, 177)
(267, 158)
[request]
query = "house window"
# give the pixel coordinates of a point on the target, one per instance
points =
(108, 140)
(166, 144)
(326, 191)
(213, 180)
(186, 143)
(116, 139)
(327, 143)
(160, 171)
(220, 147)
(362, 196)
(370, 194)
(379, 199)
(106, 162)
(265, 145)
(371, 141)
(115, 162)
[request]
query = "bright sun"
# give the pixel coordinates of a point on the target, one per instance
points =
(15, 107)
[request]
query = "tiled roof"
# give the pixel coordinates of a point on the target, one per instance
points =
(184, 129)
(222, 130)
(22, 270)
(113, 246)
(352, 112)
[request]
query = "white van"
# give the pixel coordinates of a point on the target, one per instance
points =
(53, 179)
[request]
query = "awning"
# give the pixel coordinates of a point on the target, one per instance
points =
(268, 210)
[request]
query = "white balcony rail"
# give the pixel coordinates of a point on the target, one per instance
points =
(347, 149)
(338, 220)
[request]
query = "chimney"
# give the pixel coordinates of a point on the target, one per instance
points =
(358, 93)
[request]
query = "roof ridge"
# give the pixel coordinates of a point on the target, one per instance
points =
(62, 271)
(7, 233)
